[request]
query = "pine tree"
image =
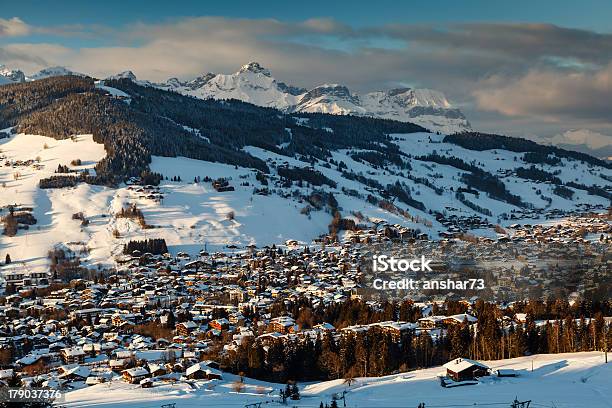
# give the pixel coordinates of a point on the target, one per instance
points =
(295, 392)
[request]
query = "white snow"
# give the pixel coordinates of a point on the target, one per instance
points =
(111, 90)
(193, 216)
(52, 72)
(254, 84)
(53, 208)
(557, 380)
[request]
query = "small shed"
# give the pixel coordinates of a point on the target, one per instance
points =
(506, 372)
(146, 383)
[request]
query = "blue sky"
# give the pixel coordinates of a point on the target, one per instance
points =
(532, 68)
(591, 14)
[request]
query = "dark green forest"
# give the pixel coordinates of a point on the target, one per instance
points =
(552, 326)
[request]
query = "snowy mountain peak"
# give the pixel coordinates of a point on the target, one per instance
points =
(254, 83)
(429, 97)
(334, 90)
(174, 82)
(124, 75)
(408, 97)
(8, 75)
(52, 72)
(424, 107)
(255, 68)
(330, 98)
(194, 84)
(200, 81)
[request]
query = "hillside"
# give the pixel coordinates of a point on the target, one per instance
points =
(295, 176)
(557, 380)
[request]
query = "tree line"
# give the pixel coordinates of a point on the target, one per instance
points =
(155, 246)
(487, 141)
(376, 352)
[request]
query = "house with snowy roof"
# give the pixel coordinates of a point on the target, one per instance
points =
(72, 355)
(464, 369)
(135, 375)
(202, 371)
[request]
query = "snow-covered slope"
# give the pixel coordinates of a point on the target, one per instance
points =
(424, 107)
(252, 83)
(192, 215)
(9, 76)
(330, 98)
(128, 75)
(52, 72)
(557, 380)
(53, 208)
(255, 84)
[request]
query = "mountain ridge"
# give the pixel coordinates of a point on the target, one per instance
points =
(255, 84)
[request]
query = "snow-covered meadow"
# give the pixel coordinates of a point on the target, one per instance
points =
(577, 380)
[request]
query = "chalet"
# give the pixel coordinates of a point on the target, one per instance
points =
(459, 318)
(85, 314)
(156, 370)
(146, 383)
(186, 328)
(237, 295)
(92, 349)
(211, 364)
(76, 373)
(32, 364)
(73, 355)
(220, 324)
(120, 320)
(396, 329)
(135, 375)
(237, 319)
(325, 327)
(431, 322)
(93, 380)
(201, 371)
(283, 324)
(463, 369)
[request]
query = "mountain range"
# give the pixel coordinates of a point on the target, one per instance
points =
(8, 76)
(255, 84)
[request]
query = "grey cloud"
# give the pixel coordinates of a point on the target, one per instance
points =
(551, 95)
(526, 41)
(476, 65)
(13, 27)
(17, 58)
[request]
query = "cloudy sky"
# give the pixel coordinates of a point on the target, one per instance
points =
(535, 69)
